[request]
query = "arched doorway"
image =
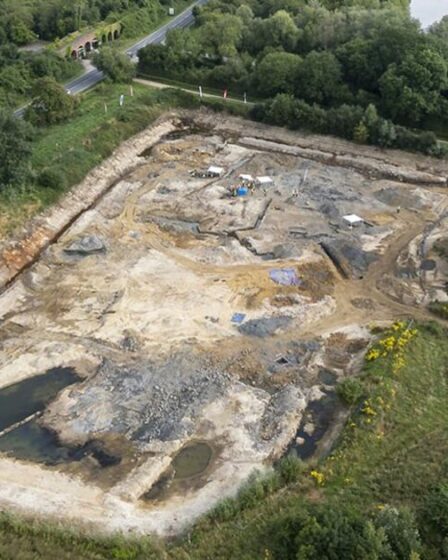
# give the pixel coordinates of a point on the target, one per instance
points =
(88, 47)
(103, 39)
(109, 36)
(74, 55)
(116, 34)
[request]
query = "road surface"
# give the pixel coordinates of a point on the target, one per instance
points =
(93, 77)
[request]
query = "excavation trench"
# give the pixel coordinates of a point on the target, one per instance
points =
(201, 359)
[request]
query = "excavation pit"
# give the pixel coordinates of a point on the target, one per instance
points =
(151, 321)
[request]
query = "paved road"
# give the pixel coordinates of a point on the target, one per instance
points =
(92, 77)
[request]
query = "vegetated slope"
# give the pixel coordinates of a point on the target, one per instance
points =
(23, 23)
(361, 70)
(59, 156)
(382, 493)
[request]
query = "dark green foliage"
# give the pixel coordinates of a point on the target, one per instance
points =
(51, 179)
(341, 56)
(330, 533)
(345, 121)
(401, 531)
(439, 308)
(434, 518)
(351, 390)
(290, 469)
(51, 103)
(116, 66)
(15, 149)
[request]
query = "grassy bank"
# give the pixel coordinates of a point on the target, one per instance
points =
(393, 453)
(71, 149)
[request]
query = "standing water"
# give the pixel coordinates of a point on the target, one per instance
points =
(21, 401)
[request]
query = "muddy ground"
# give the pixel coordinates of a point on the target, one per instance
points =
(161, 290)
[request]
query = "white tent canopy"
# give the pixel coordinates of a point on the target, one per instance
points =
(353, 219)
(244, 177)
(264, 180)
(213, 170)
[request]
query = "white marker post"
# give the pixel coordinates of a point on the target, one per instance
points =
(132, 91)
(105, 108)
(245, 97)
(200, 92)
(121, 100)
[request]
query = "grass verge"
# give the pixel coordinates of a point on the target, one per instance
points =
(71, 149)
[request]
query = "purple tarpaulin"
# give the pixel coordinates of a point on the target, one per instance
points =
(285, 277)
(238, 318)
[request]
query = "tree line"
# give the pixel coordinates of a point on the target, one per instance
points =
(22, 23)
(333, 59)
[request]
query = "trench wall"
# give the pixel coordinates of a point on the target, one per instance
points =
(47, 227)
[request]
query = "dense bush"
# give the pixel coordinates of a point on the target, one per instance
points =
(116, 66)
(351, 390)
(51, 179)
(51, 103)
(346, 121)
(15, 149)
(439, 308)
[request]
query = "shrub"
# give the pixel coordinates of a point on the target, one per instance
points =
(115, 65)
(225, 510)
(436, 509)
(51, 179)
(350, 391)
(252, 492)
(439, 308)
(290, 469)
(401, 531)
(441, 248)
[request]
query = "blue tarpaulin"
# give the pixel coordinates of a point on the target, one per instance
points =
(285, 277)
(242, 191)
(238, 318)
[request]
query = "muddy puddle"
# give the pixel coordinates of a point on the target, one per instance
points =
(317, 419)
(32, 442)
(192, 460)
(185, 472)
(35, 443)
(20, 405)
(24, 438)
(22, 400)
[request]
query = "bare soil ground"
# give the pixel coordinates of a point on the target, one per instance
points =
(147, 317)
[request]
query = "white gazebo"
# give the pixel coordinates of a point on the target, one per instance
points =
(353, 220)
(264, 181)
(214, 171)
(246, 178)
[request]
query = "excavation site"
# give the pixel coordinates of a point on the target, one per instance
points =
(182, 317)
